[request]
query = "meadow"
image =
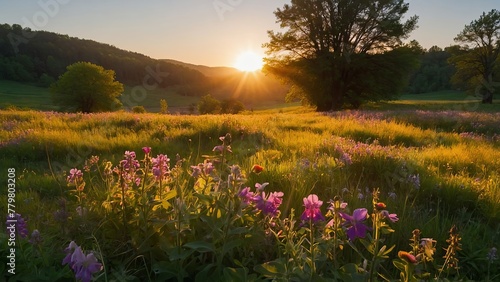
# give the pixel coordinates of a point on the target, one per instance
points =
(400, 191)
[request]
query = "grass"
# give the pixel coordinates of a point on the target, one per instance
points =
(441, 165)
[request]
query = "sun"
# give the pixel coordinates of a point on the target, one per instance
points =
(248, 62)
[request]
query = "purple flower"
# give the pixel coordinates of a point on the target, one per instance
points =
(130, 164)
(20, 225)
(260, 187)
(36, 238)
(270, 205)
(146, 150)
(161, 166)
(75, 175)
(247, 197)
(392, 217)
(85, 266)
(354, 223)
(312, 210)
(82, 265)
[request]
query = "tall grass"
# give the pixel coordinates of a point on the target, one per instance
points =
(434, 168)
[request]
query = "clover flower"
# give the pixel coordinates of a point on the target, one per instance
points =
(354, 223)
(312, 210)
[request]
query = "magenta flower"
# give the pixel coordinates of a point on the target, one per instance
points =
(260, 187)
(146, 150)
(247, 197)
(130, 163)
(354, 223)
(75, 175)
(270, 205)
(392, 217)
(161, 166)
(312, 210)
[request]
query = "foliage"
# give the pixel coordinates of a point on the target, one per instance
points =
(87, 88)
(330, 52)
(434, 72)
(231, 106)
(209, 105)
(477, 63)
(139, 110)
(163, 106)
(26, 55)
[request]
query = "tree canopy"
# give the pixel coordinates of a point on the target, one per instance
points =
(87, 88)
(477, 61)
(341, 53)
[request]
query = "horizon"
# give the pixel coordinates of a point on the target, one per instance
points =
(205, 33)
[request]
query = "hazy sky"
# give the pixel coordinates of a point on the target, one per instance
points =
(208, 32)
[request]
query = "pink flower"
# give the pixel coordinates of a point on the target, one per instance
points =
(312, 210)
(270, 205)
(146, 150)
(161, 166)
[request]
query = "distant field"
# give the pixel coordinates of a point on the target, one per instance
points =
(38, 98)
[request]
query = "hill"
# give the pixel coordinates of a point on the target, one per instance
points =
(40, 57)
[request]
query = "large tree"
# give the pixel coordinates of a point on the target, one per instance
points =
(342, 52)
(87, 88)
(477, 62)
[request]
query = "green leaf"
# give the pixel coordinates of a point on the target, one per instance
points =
(271, 269)
(200, 246)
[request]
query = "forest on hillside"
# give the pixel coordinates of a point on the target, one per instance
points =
(40, 57)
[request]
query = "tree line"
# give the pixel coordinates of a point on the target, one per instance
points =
(41, 57)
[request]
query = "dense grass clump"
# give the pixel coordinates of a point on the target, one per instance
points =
(181, 210)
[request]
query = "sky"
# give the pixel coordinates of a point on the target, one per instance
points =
(207, 32)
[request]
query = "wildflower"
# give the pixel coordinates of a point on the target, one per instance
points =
(246, 196)
(85, 266)
(407, 256)
(361, 196)
(146, 150)
(21, 227)
(257, 168)
(346, 159)
(392, 195)
(81, 211)
(356, 228)
(260, 187)
(414, 180)
(312, 211)
(160, 166)
(428, 246)
(196, 171)
(36, 238)
(380, 206)
(270, 205)
(82, 265)
(75, 176)
(69, 253)
(391, 216)
(130, 163)
(492, 255)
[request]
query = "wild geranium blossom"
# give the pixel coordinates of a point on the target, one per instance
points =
(354, 223)
(312, 210)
